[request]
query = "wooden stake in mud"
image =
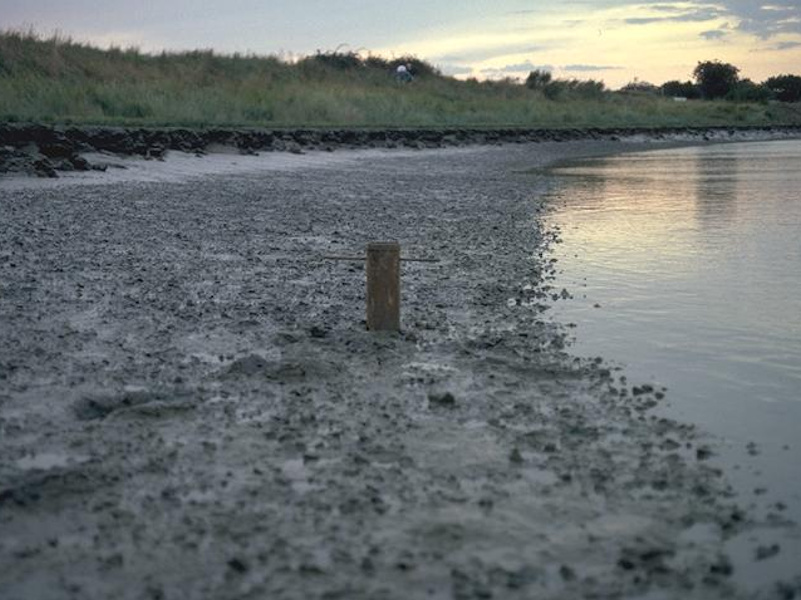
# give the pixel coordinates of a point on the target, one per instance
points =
(383, 283)
(383, 286)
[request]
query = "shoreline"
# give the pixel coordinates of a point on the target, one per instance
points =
(188, 384)
(50, 150)
(750, 446)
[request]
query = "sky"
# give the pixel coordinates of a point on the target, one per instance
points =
(616, 41)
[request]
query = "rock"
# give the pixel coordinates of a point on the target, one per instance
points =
(152, 402)
(703, 453)
(80, 163)
(669, 444)
(721, 567)
(285, 371)
(44, 168)
(57, 150)
(294, 148)
(250, 365)
(237, 565)
(155, 153)
(447, 399)
(765, 552)
(648, 559)
(15, 161)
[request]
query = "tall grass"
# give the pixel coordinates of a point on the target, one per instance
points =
(58, 80)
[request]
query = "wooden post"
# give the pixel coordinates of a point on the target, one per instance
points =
(383, 286)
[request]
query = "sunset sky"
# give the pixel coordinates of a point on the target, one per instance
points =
(613, 40)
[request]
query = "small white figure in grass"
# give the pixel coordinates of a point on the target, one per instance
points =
(404, 73)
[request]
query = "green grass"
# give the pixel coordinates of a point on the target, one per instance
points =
(59, 81)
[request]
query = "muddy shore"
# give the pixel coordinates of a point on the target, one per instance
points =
(190, 406)
(46, 151)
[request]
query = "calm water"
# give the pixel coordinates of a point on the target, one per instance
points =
(685, 267)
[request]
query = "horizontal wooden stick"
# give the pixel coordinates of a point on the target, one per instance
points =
(363, 258)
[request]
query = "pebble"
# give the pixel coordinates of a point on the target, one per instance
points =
(446, 399)
(765, 552)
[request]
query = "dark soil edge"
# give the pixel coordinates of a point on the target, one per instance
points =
(44, 150)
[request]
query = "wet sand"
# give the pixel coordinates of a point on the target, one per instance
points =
(190, 406)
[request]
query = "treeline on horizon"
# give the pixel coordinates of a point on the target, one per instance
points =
(59, 80)
(714, 79)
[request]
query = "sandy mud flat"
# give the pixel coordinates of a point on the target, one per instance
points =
(190, 406)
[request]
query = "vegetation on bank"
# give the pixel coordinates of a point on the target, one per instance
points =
(716, 80)
(58, 80)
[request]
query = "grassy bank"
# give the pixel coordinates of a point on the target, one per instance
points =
(60, 81)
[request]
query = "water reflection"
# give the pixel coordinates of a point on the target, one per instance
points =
(694, 256)
(716, 189)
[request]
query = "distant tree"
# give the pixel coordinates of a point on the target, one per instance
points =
(590, 89)
(538, 79)
(559, 89)
(638, 86)
(377, 62)
(556, 89)
(746, 90)
(679, 89)
(786, 88)
(352, 61)
(715, 79)
(341, 61)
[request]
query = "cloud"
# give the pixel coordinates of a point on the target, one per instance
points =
(489, 52)
(643, 20)
(528, 66)
(751, 16)
(714, 34)
(768, 20)
(590, 68)
(698, 15)
(671, 8)
(523, 67)
(455, 70)
(780, 47)
(497, 74)
(776, 7)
